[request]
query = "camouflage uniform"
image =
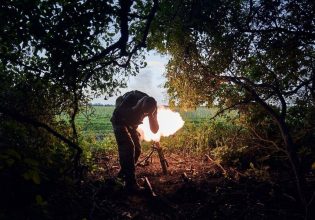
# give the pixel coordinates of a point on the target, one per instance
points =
(127, 137)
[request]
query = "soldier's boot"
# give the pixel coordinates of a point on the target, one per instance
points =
(121, 175)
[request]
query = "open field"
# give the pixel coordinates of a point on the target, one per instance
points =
(97, 119)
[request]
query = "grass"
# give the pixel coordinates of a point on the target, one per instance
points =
(199, 115)
(197, 134)
(96, 120)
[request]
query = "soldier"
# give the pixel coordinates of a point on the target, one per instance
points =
(130, 110)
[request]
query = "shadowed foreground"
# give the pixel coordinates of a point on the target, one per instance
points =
(195, 188)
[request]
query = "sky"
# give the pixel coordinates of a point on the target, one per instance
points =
(149, 80)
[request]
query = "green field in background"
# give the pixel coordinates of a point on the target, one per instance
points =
(97, 119)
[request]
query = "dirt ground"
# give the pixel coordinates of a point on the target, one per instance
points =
(194, 188)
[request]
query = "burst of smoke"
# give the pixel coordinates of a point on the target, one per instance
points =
(169, 123)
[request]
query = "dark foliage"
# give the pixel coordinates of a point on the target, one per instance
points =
(53, 56)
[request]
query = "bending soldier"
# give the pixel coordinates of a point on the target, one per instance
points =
(130, 110)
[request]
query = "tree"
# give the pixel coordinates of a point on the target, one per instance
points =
(241, 53)
(53, 55)
(56, 52)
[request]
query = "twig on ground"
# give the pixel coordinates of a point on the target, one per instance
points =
(148, 187)
(185, 178)
(216, 163)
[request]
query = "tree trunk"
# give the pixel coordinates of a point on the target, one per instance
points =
(294, 162)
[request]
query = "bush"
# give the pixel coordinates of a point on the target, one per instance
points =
(31, 162)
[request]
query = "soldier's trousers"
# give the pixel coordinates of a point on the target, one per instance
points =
(129, 150)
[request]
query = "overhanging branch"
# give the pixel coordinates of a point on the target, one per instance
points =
(123, 40)
(221, 111)
(23, 119)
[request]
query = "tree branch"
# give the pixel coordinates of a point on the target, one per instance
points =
(229, 107)
(298, 87)
(23, 119)
(142, 42)
(279, 30)
(122, 42)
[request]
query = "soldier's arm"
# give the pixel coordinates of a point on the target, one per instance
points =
(154, 125)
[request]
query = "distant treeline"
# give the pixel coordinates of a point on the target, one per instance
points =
(101, 104)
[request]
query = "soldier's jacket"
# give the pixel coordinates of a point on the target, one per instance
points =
(124, 104)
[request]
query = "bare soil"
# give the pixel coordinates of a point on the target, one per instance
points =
(195, 187)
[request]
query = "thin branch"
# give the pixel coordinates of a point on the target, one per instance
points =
(298, 87)
(23, 119)
(229, 107)
(121, 43)
(90, 73)
(101, 55)
(311, 200)
(268, 141)
(283, 30)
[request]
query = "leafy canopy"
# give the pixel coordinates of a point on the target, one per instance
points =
(235, 52)
(74, 44)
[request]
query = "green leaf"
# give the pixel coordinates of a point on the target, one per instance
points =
(14, 154)
(27, 175)
(39, 200)
(10, 162)
(35, 177)
(31, 162)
